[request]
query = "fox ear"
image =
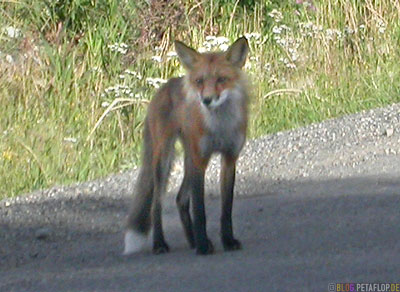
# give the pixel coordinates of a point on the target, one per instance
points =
(187, 55)
(237, 52)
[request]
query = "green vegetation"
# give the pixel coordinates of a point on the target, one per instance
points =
(76, 75)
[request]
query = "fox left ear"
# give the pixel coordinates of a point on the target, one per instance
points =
(237, 52)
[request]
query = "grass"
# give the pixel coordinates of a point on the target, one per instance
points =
(76, 76)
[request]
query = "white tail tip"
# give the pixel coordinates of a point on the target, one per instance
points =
(134, 241)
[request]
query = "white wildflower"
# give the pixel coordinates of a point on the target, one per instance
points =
(293, 54)
(251, 35)
(308, 25)
(213, 42)
(171, 55)
(248, 65)
(223, 47)
(110, 89)
(155, 82)
(276, 30)
(70, 139)
(332, 34)
(310, 29)
(279, 29)
(281, 41)
(126, 91)
(291, 66)
(276, 15)
(158, 59)
(222, 40)
(9, 59)
(118, 90)
(119, 47)
(216, 40)
(273, 79)
(96, 69)
(12, 32)
(329, 34)
(284, 60)
(381, 26)
(202, 50)
(349, 30)
(338, 34)
(134, 74)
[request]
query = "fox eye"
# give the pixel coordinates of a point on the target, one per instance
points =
(222, 79)
(199, 81)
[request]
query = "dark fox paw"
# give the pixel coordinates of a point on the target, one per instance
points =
(206, 249)
(160, 247)
(231, 244)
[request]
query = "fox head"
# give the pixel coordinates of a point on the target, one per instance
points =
(212, 76)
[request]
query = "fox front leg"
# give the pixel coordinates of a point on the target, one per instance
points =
(227, 186)
(196, 179)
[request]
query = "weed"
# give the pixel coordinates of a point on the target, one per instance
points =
(76, 76)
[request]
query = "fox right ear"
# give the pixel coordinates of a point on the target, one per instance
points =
(188, 56)
(238, 51)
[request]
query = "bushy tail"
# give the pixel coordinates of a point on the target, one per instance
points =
(139, 221)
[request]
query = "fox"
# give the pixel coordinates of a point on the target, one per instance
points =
(207, 110)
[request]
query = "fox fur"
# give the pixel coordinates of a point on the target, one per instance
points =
(207, 110)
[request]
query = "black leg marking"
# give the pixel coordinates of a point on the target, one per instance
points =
(183, 202)
(159, 244)
(203, 244)
(227, 186)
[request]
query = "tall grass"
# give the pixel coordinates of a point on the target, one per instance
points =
(76, 76)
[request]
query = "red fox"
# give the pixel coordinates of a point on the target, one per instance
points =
(207, 110)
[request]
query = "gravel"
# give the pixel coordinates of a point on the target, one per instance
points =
(366, 143)
(39, 224)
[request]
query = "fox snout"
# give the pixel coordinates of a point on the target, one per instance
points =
(208, 91)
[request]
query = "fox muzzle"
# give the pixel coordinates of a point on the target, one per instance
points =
(207, 100)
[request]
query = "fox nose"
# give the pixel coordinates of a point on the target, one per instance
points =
(207, 100)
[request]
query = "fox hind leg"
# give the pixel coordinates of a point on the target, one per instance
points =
(159, 244)
(183, 202)
(161, 171)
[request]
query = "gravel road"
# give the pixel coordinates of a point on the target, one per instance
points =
(316, 205)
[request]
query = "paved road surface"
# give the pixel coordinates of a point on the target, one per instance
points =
(302, 238)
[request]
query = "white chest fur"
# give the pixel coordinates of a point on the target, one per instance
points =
(224, 124)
